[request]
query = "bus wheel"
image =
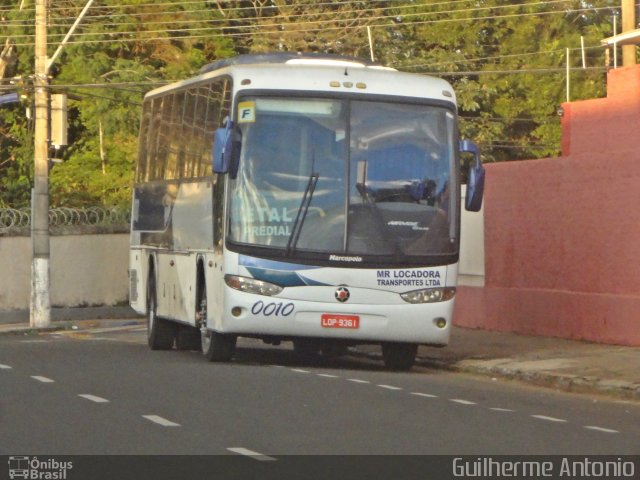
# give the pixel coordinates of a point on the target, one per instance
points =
(217, 347)
(399, 356)
(160, 332)
(188, 338)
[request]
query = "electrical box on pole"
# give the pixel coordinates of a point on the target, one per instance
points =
(59, 120)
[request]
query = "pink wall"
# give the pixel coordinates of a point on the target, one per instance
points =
(562, 235)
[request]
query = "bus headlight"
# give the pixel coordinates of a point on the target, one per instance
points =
(429, 295)
(251, 285)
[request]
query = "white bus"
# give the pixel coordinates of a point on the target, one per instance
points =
(299, 197)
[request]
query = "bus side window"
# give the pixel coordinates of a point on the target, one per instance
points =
(143, 142)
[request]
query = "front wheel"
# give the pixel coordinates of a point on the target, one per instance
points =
(399, 356)
(217, 347)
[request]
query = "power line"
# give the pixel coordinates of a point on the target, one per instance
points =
(323, 28)
(514, 71)
(309, 22)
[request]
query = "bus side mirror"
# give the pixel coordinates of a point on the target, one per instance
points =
(475, 177)
(226, 151)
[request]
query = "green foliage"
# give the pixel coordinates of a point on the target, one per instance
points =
(505, 60)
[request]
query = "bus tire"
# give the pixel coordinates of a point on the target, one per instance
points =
(218, 347)
(160, 332)
(399, 356)
(188, 338)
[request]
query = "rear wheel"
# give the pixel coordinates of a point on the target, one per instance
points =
(160, 332)
(216, 347)
(399, 356)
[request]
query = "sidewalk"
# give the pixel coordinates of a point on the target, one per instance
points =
(551, 362)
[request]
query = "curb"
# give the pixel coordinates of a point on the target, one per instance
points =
(77, 325)
(564, 382)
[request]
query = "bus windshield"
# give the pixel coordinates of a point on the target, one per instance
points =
(349, 177)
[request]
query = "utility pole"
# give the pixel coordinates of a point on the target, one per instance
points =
(40, 308)
(628, 24)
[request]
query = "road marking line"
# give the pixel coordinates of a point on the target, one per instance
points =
(357, 380)
(34, 341)
(161, 421)
(427, 395)
(250, 453)
(5, 367)
(42, 379)
(326, 375)
(498, 409)
(549, 419)
(299, 370)
(600, 429)
(462, 402)
(93, 398)
(390, 387)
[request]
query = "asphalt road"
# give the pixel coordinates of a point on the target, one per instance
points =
(104, 392)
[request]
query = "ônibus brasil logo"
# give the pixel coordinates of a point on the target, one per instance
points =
(36, 469)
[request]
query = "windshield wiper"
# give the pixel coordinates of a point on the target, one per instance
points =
(302, 212)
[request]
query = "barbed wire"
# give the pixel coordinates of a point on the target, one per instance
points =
(20, 218)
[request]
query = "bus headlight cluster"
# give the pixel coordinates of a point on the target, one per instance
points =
(429, 295)
(251, 285)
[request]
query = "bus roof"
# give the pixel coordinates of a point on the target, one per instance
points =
(290, 58)
(318, 73)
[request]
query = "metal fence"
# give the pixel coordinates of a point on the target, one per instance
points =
(18, 221)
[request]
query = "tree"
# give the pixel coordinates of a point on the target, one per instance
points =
(303, 25)
(505, 60)
(118, 53)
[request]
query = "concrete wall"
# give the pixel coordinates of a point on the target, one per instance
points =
(86, 270)
(92, 269)
(562, 235)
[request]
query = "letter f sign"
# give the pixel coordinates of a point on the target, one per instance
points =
(246, 112)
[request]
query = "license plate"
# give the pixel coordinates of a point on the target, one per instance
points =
(333, 320)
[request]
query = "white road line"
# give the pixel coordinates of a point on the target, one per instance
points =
(161, 421)
(299, 370)
(427, 395)
(250, 453)
(34, 341)
(42, 379)
(357, 380)
(549, 419)
(461, 401)
(5, 367)
(326, 375)
(390, 387)
(600, 429)
(93, 398)
(498, 409)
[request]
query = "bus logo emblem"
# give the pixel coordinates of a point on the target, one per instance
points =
(342, 294)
